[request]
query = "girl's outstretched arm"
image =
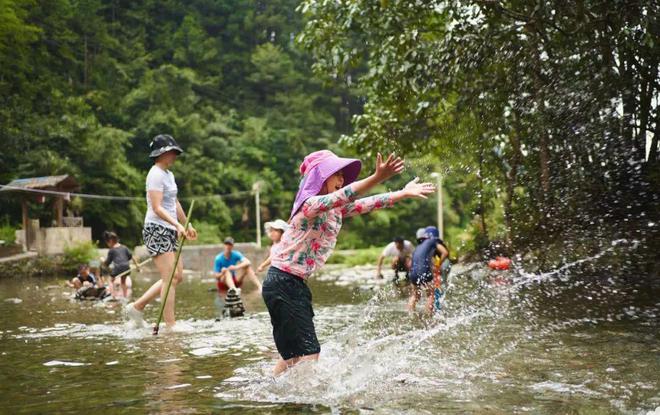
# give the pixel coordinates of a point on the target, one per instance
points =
(367, 204)
(384, 170)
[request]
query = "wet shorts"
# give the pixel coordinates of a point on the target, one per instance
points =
(289, 304)
(421, 278)
(426, 276)
(119, 269)
(159, 239)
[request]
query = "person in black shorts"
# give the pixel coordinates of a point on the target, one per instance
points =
(118, 260)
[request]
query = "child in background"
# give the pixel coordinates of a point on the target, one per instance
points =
(118, 261)
(84, 278)
(420, 235)
(421, 273)
(275, 230)
(327, 194)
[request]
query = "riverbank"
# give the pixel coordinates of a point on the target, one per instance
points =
(197, 258)
(38, 266)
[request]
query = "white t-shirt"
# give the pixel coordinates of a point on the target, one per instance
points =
(391, 250)
(163, 181)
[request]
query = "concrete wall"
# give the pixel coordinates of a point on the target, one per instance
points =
(52, 241)
(200, 258)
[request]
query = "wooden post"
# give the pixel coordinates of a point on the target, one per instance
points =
(24, 209)
(59, 209)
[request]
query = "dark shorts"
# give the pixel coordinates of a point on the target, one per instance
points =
(289, 304)
(426, 276)
(159, 239)
(118, 269)
(421, 278)
(400, 265)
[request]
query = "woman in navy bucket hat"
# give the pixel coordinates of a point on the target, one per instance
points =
(162, 227)
(161, 144)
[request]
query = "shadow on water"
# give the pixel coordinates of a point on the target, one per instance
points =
(542, 343)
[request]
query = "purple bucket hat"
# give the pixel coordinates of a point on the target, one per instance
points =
(317, 168)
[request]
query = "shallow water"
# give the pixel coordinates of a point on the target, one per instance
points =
(550, 343)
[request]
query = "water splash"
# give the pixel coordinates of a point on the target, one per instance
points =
(526, 278)
(383, 357)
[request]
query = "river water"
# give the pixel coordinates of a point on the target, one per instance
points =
(552, 343)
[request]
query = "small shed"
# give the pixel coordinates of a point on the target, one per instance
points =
(40, 188)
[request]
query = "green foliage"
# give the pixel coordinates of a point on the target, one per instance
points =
(8, 234)
(541, 109)
(208, 233)
(80, 253)
(537, 115)
(84, 87)
(354, 257)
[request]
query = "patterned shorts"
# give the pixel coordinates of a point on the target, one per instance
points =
(159, 239)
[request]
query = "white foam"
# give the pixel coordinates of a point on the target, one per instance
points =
(183, 385)
(176, 359)
(560, 387)
(204, 351)
(63, 363)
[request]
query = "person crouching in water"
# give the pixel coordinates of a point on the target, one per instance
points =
(118, 261)
(275, 230)
(230, 269)
(401, 251)
(326, 196)
(421, 273)
(162, 227)
(85, 278)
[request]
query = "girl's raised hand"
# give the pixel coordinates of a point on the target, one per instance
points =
(416, 189)
(388, 168)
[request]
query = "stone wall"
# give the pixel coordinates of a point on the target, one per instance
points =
(52, 241)
(200, 258)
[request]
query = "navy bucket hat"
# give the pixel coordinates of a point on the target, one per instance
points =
(161, 144)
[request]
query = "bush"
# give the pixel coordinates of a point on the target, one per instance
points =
(355, 257)
(7, 234)
(80, 253)
(207, 233)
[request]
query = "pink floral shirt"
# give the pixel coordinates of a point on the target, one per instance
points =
(313, 231)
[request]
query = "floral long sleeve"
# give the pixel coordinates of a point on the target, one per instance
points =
(367, 204)
(320, 204)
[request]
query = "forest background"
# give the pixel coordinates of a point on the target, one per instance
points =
(541, 117)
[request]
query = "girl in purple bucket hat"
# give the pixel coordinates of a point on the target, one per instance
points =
(327, 194)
